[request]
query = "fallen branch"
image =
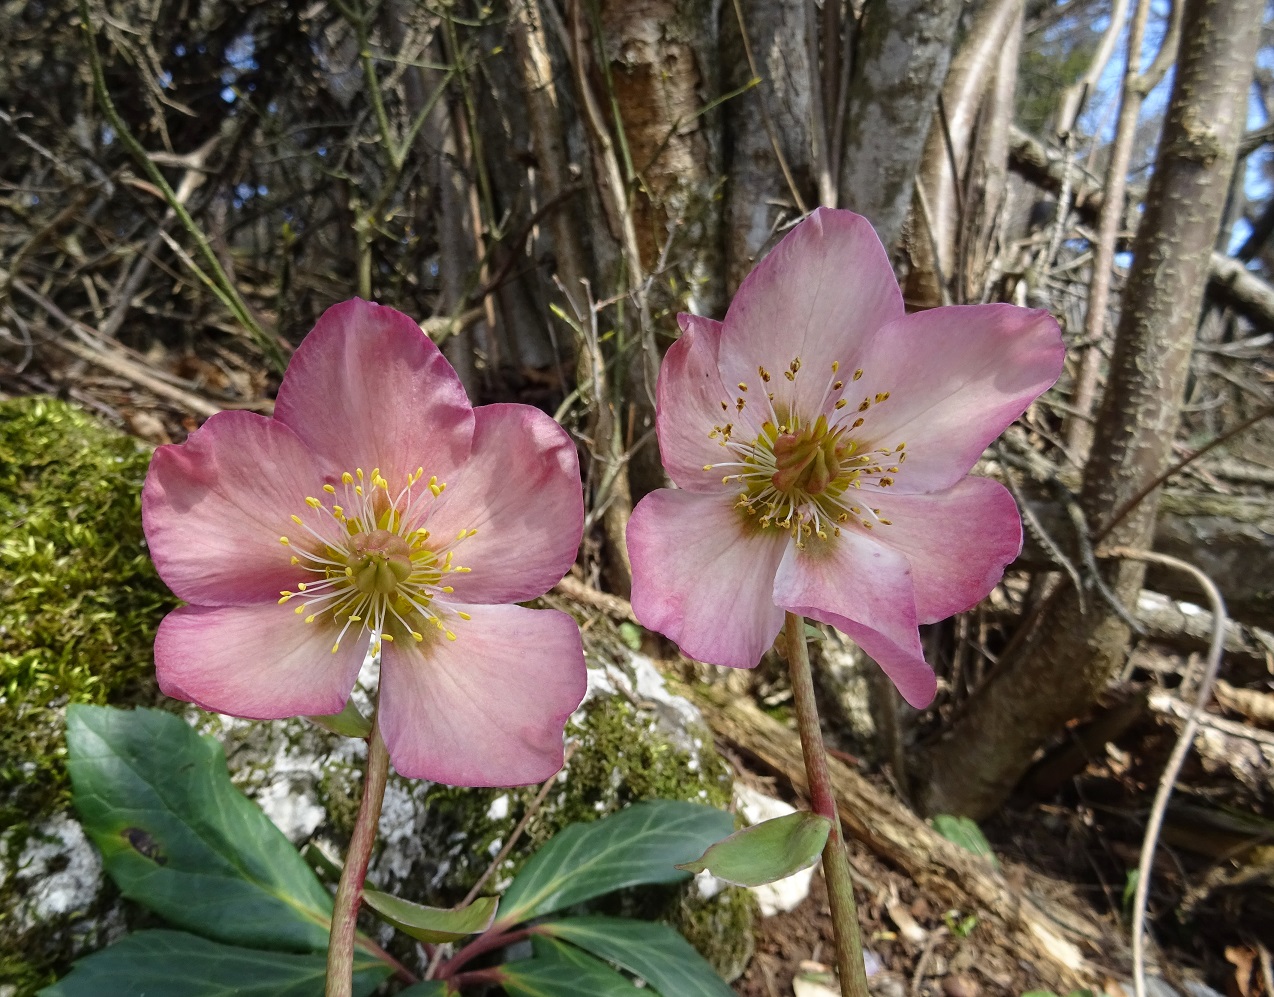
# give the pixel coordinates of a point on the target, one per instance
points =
(941, 869)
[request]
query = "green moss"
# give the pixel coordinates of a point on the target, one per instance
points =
(79, 599)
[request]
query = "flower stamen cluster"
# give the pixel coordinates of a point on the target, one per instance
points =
(796, 472)
(369, 563)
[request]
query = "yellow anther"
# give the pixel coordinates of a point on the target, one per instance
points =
(901, 446)
(838, 385)
(886, 482)
(864, 406)
(355, 619)
(418, 637)
(790, 375)
(297, 520)
(338, 511)
(462, 534)
(887, 522)
(765, 374)
(835, 366)
(336, 647)
(358, 490)
(460, 571)
(359, 472)
(450, 635)
(284, 598)
(329, 489)
(295, 559)
(882, 396)
(448, 589)
(858, 373)
(299, 610)
(743, 386)
(301, 585)
(284, 540)
(463, 616)
(312, 502)
(841, 404)
(436, 489)
(347, 478)
(311, 618)
(857, 423)
(387, 637)
(420, 473)
(709, 467)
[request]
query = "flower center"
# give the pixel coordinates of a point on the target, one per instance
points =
(369, 564)
(801, 471)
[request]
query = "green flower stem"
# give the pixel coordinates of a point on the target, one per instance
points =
(840, 888)
(349, 894)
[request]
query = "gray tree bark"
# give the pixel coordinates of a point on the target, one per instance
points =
(902, 50)
(972, 768)
(758, 198)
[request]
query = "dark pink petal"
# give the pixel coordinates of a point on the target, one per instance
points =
(488, 708)
(958, 542)
(956, 377)
(520, 489)
(215, 507)
(865, 590)
(703, 576)
(262, 662)
(368, 389)
(819, 296)
(689, 406)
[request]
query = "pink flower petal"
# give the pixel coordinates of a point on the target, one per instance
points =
(488, 708)
(368, 389)
(865, 590)
(689, 406)
(956, 377)
(261, 661)
(819, 296)
(958, 542)
(215, 507)
(520, 489)
(703, 575)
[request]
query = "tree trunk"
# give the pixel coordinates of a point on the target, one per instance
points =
(901, 55)
(972, 71)
(768, 123)
(974, 765)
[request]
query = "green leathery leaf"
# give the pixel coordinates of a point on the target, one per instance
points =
(179, 838)
(965, 833)
(766, 852)
(433, 924)
(641, 844)
(428, 988)
(559, 970)
(350, 722)
(177, 964)
(655, 952)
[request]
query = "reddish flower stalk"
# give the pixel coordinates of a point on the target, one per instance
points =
(349, 892)
(840, 886)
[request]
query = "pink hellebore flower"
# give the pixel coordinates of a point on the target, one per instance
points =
(377, 505)
(820, 438)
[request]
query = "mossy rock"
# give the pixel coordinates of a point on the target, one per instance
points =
(79, 604)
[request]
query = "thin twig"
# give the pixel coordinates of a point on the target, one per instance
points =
(1184, 741)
